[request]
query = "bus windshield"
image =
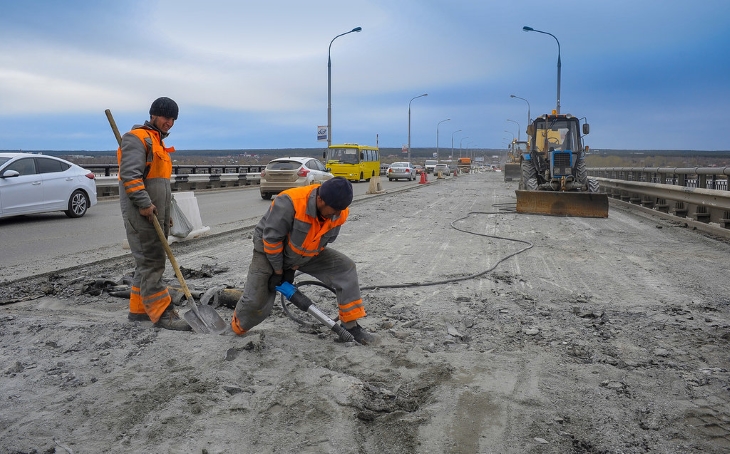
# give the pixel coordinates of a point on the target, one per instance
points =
(344, 155)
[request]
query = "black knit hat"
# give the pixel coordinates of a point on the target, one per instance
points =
(164, 107)
(336, 193)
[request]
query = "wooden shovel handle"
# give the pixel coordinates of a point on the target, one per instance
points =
(175, 266)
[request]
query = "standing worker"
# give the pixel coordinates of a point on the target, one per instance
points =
(292, 236)
(145, 168)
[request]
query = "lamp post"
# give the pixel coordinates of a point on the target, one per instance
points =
(462, 140)
(529, 118)
(513, 136)
(329, 85)
(437, 137)
(518, 128)
(409, 123)
(530, 29)
(452, 142)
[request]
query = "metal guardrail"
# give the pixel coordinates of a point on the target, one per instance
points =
(697, 193)
(184, 178)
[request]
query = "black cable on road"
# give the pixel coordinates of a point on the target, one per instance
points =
(471, 276)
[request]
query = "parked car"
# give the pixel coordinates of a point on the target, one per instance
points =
(443, 168)
(401, 170)
(286, 173)
(34, 183)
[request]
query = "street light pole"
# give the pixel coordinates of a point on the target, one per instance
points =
(329, 84)
(437, 137)
(409, 123)
(529, 118)
(530, 29)
(452, 142)
(518, 128)
(462, 139)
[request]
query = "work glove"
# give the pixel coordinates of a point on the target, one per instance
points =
(274, 281)
(288, 276)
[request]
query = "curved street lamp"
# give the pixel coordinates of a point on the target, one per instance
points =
(529, 118)
(452, 142)
(437, 136)
(462, 139)
(518, 128)
(513, 136)
(329, 84)
(409, 123)
(530, 29)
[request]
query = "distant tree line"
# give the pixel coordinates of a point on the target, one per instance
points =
(595, 158)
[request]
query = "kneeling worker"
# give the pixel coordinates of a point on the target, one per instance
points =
(292, 236)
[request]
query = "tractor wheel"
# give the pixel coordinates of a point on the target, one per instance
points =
(592, 185)
(529, 175)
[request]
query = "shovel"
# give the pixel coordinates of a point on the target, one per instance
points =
(203, 319)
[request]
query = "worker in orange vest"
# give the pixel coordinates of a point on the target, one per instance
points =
(294, 235)
(145, 168)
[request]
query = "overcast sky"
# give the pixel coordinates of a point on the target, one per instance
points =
(647, 74)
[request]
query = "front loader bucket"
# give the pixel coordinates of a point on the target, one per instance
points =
(512, 171)
(563, 203)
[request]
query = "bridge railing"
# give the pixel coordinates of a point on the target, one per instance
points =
(184, 177)
(699, 193)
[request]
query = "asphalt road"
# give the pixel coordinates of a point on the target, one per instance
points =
(42, 243)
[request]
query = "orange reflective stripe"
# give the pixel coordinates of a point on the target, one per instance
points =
(303, 252)
(273, 248)
(135, 301)
(133, 186)
(156, 304)
(352, 311)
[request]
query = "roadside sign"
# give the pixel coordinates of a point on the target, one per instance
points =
(322, 133)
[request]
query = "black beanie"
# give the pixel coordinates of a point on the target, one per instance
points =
(164, 107)
(336, 193)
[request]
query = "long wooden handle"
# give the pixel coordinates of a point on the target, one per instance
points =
(113, 124)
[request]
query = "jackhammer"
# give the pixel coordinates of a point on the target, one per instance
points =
(301, 301)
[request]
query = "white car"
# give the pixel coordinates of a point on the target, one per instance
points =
(34, 183)
(286, 173)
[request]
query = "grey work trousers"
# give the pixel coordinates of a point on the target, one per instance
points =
(332, 268)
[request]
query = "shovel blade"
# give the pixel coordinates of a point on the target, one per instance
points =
(557, 203)
(205, 321)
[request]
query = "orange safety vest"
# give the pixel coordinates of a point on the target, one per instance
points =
(158, 163)
(305, 239)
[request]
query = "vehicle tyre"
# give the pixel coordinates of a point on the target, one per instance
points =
(529, 175)
(580, 170)
(266, 195)
(592, 185)
(390, 179)
(78, 203)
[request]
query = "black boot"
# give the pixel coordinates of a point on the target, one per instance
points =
(361, 336)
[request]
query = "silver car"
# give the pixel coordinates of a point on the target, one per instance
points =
(286, 173)
(443, 168)
(401, 171)
(33, 183)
